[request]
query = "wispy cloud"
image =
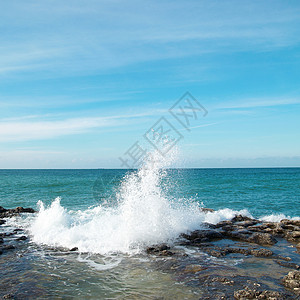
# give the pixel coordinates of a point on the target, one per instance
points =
(24, 131)
(258, 102)
(108, 34)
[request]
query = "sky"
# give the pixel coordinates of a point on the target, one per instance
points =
(81, 82)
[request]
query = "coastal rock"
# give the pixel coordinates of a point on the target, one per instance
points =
(223, 223)
(241, 218)
(157, 248)
(2, 222)
(288, 264)
(7, 213)
(290, 222)
(203, 235)
(292, 236)
(1, 240)
(194, 269)
(248, 293)
(262, 239)
(206, 210)
(74, 249)
(261, 252)
(292, 281)
(22, 238)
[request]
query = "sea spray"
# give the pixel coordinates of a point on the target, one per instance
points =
(144, 215)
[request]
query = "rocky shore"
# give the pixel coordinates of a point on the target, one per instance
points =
(8, 213)
(264, 243)
(242, 258)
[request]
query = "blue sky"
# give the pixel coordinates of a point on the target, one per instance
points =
(80, 82)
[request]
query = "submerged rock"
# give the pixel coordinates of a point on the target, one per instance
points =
(292, 281)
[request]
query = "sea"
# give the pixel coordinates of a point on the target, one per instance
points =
(111, 216)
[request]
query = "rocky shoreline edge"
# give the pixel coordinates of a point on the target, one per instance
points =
(239, 237)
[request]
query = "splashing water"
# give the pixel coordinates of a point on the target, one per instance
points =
(143, 216)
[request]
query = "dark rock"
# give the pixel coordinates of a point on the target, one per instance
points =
(240, 218)
(8, 247)
(223, 280)
(223, 223)
(166, 253)
(262, 239)
(157, 248)
(248, 223)
(261, 252)
(203, 235)
(1, 240)
(292, 281)
(290, 222)
(22, 238)
(74, 249)
(206, 210)
(248, 293)
(194, 269)
(288, 264)
(17, 230)
(6, 213)
(292, 236)
(2, 209)
(2, 222)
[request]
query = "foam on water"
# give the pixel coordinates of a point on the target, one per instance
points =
(144, 215)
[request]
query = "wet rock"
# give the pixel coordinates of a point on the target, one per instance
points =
(6, 213)
(262, 239)
(248, 293)
(157, 248)
(261, 252)
(22, 238)
(166, 253)
(292, 236)
(1, 240)
(203, 235)
(194, 269)
(292, 281)
(74, 249)
(223, 280)
(288, 264)
(206, 210)
(240, 218)
(285, 258)
(290, 222)
(2, 222)
(8, 247)
(223, 223)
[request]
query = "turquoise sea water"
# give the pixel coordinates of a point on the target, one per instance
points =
(262, 191)
(111, 216)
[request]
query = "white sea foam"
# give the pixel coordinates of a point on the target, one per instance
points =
(144, 216)
(277, 218)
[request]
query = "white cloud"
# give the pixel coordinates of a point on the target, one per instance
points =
(36, 130)
(257, 102)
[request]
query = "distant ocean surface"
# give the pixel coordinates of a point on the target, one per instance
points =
(261, 191)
